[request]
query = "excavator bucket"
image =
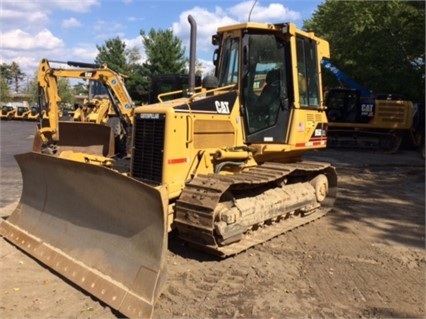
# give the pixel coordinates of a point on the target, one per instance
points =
(102, 230)
(86, 137)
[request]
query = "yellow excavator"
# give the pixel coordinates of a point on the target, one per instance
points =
(108, 102)
(358, 119)
(221, 167)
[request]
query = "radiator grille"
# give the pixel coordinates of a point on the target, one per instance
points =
(148, 146)
(314, 117)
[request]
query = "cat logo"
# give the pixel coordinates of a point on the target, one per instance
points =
(89, 74)
(367, 109)
(222, 107)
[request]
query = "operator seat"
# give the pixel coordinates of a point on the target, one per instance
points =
(268, 103)
(271, 92)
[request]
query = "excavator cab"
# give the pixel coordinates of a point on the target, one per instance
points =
(167, 83)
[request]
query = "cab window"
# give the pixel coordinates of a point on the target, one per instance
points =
(229, 68)
(307, 69)
(263, 81)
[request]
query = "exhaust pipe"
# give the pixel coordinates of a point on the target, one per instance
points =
(192, 49)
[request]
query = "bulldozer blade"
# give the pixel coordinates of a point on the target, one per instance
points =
(104, 231)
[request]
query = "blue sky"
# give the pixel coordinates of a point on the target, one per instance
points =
(69, 30)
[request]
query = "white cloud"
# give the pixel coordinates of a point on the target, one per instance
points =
(83, 54)
(207, 23)
(105, 30)
(69, 5)
(22, 5)
(22, 41)
(274, 12)
(28, 64)
(25, 31)
(47, 5)
(71, 23)
(136, 43)
(12, 17)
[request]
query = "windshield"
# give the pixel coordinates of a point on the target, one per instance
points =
(97, 90)
(264, 80)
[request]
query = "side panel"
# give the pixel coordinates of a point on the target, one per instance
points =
(308, 129)
(393, 114)
(169, 140)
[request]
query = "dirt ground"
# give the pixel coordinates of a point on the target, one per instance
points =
(365, 259)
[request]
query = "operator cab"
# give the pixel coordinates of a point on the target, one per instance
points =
(262, 59)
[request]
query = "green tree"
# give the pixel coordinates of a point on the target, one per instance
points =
(81, 88)
(13, 75)
(65, 90)
(16, 76)
(33, 90)
(122, 60)
(136, 83)
(5, 72)
(380, 44)
(164, 52)
(135, 75)
(5, 94)
(165, 55)
(113, 53)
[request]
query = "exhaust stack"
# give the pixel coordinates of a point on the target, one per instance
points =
(192, 51)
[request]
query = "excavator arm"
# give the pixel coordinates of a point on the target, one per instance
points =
(343, 78)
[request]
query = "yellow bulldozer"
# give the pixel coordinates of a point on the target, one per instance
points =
(221, 167)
